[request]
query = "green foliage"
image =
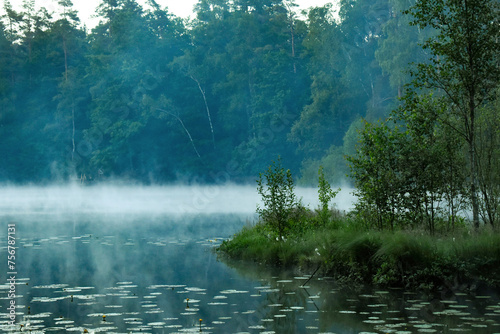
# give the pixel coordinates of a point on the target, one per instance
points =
(488, 148)
(276, 188)
(150, 97)
(397, 259)
(377, 176)
(334, 165)
(405, 169)
(325, 195)
(334, 161)
(399, 35)
(283, 215)
(463, 66)
(257, 244)
(323, 121)
(412, 169)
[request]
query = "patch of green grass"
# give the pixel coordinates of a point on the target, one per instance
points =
(375, 257)
(258, 244)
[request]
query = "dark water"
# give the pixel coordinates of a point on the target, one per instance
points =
(140, 270)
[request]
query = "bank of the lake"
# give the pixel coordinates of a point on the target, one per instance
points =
(464, 261)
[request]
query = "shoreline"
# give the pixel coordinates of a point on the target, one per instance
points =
(463, 262)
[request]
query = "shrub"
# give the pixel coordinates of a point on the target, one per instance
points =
(276, 188)
(325, 194)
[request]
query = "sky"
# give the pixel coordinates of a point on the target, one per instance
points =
(182, 8)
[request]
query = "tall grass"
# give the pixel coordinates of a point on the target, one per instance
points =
(401, 259)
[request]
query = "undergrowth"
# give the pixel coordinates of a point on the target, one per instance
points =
(348, 247)
(398, 259)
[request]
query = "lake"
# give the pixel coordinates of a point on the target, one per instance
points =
(140, 260)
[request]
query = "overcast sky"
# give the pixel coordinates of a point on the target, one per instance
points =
(183, 8)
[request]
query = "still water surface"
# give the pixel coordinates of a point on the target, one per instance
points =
(155, 272)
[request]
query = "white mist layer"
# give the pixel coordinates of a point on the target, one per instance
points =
(176, 200)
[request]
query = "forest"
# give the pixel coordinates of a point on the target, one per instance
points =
(425, 164)
(150, 97)
(401, 96)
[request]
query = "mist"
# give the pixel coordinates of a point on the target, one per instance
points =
(145, 200)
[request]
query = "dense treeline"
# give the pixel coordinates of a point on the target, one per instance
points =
(437, 157)
(432, 164)
(148, 96)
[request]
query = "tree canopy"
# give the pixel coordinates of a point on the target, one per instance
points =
(150, 97)
(436, 152)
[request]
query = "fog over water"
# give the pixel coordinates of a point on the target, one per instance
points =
(130, 259)
(125, 199)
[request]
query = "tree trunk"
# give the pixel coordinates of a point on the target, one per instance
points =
(293, 45)
(73, 133)
(65, 49)
(206, 107)
(472, 116)
(473, 189)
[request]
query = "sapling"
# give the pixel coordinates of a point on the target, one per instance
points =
(325, 194)
(276, 188)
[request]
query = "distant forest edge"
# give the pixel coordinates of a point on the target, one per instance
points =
(147, 96)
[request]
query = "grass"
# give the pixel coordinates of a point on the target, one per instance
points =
(398, 259)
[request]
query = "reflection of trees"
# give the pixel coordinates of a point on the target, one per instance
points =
(287, 294)
(331, 306)
(100, 255)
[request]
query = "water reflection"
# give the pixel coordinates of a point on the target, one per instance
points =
(98, 273)
(321, 306)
